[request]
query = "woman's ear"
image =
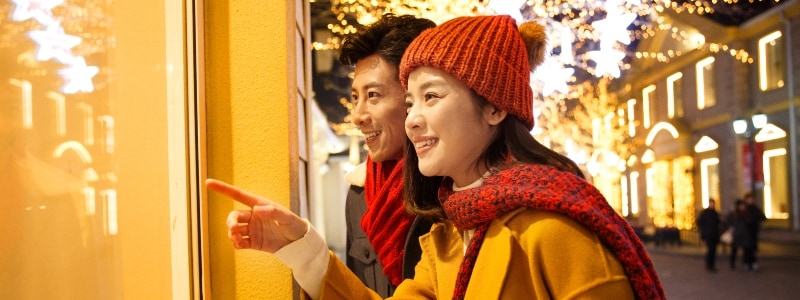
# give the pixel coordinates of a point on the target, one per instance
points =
(493, 115)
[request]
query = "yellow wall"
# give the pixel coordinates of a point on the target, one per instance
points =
(249, 83)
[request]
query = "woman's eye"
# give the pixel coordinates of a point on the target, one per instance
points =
(430, 96)
(372, 95)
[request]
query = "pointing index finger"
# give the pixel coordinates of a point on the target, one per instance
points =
(233, 192)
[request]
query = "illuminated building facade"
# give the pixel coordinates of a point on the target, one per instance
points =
(681, 115)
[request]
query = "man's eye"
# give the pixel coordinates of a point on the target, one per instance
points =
(372, 95)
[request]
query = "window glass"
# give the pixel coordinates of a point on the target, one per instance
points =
(771, 61)
(706, 89)
(675, 95)
(84, 189)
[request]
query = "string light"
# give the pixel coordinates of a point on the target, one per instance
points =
(597, 31)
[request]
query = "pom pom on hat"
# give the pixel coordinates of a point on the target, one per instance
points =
(488, 53)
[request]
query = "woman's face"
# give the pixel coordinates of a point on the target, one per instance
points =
(446, 125)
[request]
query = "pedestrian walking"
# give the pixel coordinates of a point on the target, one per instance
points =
(709, 224)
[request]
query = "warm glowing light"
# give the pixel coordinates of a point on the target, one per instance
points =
(88, 123)
(659, 127)
(554, 77)
(705, 176)
(648, 156)
(632, 117)
(671, 93)
(89, 199)
(108, 128)
(770, 132)
(769, 209)
(634, 193)
(26, 90)
(75, 146)
(623, 185)
(78, 76)
(700, 71)
(54, 43)
(705, 144)
(647, 102)
(110, 225)
(608, 60)
(39, 10)
(61, 112)
(762, 57)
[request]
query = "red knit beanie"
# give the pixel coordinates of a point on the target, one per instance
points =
(488, 53)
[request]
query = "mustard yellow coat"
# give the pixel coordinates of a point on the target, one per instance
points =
(527, 254)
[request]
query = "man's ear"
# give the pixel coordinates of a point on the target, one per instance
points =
(494, 115)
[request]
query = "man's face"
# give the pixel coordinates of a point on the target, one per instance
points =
(379, 108)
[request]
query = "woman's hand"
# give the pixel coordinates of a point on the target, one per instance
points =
(267, 226)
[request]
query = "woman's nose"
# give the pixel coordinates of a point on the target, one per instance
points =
(413, 119)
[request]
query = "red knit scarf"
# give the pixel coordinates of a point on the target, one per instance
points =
(386, 221)
(546, 188)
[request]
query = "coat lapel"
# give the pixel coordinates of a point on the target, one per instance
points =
(491, 267)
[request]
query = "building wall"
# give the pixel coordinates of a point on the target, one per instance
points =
(737, 95)
(251, 98)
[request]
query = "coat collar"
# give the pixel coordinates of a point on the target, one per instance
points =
(358, 175)
(494, 258)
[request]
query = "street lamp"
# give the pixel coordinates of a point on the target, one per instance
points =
(747, 129)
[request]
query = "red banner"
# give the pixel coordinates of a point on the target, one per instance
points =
(747, 162)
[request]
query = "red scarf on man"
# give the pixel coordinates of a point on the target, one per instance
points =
(386, 221)
(546, 188)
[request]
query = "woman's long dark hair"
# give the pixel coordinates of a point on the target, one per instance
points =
(513, 139)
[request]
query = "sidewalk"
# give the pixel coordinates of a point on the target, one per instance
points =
(766, 250)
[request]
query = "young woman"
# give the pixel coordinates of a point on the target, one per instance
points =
(514, 220)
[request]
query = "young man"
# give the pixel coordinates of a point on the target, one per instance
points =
(382, 238)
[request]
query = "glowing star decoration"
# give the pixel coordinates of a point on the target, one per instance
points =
(39, 10)
(53, 43)
(615, 27)
(607, 60)
(78, 77)
(554, 77)
(566, 40)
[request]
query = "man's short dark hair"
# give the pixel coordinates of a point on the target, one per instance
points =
(388, 37)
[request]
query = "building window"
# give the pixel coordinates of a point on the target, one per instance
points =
(632, 117)
(674, 95)
(634, 193)
(776, 184)
(771, 69)
(648, 105)
(709, 177)
(706, 89)
(623, 183)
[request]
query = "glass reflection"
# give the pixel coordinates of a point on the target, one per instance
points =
(57, 185)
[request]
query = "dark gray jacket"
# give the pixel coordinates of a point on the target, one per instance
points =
(361, 257)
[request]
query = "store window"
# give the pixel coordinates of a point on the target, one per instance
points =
(771, 63)
(92, 131)
(706, 89)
